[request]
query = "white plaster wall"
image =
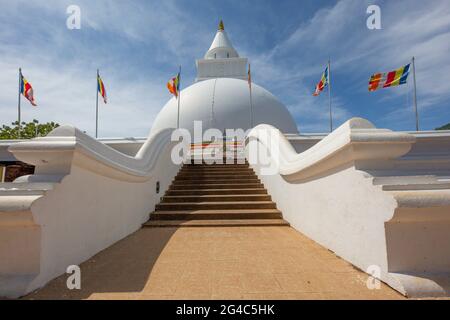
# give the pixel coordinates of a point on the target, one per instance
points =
(128, 148)
(326, 194)
(87, 213)
(342, 211)
(221, 68)
(83, 198)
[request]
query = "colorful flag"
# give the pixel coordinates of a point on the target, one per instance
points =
(101, 88)
(322, 83)
(249, 79)
(27, 90)
(389, 79)
(174, 85)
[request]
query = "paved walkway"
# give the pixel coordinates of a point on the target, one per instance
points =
(217, 263)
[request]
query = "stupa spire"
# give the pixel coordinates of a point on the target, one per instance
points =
(221, 46)
(221, 60)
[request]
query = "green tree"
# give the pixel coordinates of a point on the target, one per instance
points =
(27, 130)
(446, 127)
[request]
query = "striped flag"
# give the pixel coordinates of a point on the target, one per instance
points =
(27, 90)
(322, 83)
(174, 85)
(101, 88)
(389, 79)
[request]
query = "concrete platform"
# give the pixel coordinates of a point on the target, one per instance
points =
(216, 263)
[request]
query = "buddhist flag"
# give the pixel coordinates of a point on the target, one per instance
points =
(174, 85)
(389, 79)
(322, 83)
(101, 88)
(27, 90)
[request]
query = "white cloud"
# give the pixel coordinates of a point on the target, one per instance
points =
(138, 45)
(410, 28)
(60, 63)
(67, 95)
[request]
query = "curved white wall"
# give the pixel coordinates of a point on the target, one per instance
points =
(354, 194)
(83, 197)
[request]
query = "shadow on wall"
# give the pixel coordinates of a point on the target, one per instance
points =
(411, 252)
(122, 268)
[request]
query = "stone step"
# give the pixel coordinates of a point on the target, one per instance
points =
(218, 158)
(216, 205)
(189, 166)
(230, 175)
(216, 223)
(216, 214)
(193, 173)
(215, 170)
(202, 186)
(210, 167)
(215, 192)
(225, 167)
(214, 177)
(216, 198)
(215, 181)
(216, 195)
(223, 157)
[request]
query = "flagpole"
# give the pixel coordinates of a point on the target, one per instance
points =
(179, 98)
(415, 93)
(18, 104)
(251, 108)
(96, 107)
(329, 95)
(251, 96)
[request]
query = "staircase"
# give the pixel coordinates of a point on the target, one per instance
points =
(216, 195)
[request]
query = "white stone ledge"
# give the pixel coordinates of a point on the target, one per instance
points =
(54, 155)
(357, 139)
(422, 198)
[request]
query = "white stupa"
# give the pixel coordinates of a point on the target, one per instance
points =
(220, 97)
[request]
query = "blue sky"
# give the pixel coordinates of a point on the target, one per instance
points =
(138, 45)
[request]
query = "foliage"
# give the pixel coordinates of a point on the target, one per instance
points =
(27, 130)
(446, 127)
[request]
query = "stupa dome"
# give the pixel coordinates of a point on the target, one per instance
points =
(224, 103)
